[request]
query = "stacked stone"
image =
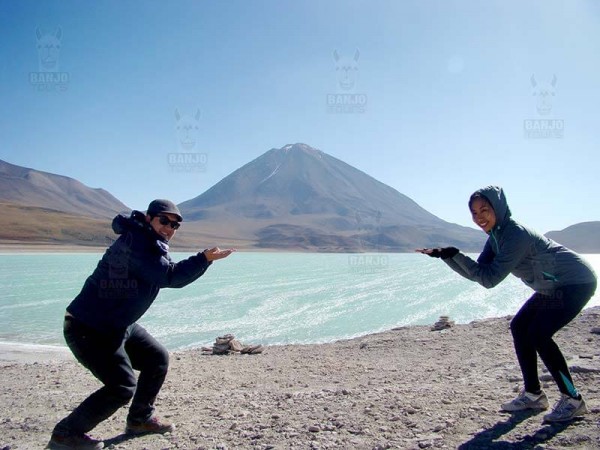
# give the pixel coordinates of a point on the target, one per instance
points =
(442, 324)
(228, 344)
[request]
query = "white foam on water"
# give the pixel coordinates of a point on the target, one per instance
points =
(267, 298)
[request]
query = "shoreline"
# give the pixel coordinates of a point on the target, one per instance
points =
(23, 353)
(406, 388)
(27, 352)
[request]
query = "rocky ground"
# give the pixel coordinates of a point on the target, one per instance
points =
(408, 388)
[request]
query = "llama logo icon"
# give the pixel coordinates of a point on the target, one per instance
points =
(48, 47)
(346, 99)
(346, 70)
(49, 77)
(188, 158)
(187, 130)
(544, 126)
(544, 94)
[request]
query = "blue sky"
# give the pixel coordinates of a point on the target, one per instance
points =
(446, 89)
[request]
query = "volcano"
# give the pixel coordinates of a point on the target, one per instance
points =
(298, 197)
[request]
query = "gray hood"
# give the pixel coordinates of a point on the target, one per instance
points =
(495, 196)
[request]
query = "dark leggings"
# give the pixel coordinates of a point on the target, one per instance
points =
(535, 324)
(112, 359)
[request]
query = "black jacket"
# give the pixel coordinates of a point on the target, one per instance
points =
(129, 276)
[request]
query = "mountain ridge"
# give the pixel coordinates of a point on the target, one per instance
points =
(583, 237)
(30, 187)
(327, 206)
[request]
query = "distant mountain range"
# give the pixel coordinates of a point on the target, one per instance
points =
(44, 208)
(292, 198)
(582, 237)
(28, 187)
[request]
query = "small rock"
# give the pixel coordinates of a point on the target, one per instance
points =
(314, 429)
(584, 369)
(235, 345)
(442, 324)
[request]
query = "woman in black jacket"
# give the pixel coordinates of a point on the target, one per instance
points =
(100, 324)
(563, 283)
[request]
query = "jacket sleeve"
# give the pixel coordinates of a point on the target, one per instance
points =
(154, 266)
(490, 269)
(486, 256)
(187, 271)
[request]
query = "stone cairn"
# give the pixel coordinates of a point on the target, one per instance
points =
(442, 324)
(228, 344)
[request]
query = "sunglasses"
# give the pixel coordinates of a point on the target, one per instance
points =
(164, 220)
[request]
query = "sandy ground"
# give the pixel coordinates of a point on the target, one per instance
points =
(408, 388)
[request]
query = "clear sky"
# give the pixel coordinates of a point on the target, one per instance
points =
(440, 100)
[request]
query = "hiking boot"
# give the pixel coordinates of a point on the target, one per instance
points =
(526, 400)
(152, 425)
(74, 442)
(566, 408)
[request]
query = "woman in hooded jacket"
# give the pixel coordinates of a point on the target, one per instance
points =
(563, 283)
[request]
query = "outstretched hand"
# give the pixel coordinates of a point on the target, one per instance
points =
(432, 252)
(444, 253)
(212, 254)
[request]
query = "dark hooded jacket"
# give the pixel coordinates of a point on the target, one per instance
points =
(541, 263)
(129, 276)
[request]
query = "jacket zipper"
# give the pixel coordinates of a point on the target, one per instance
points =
(495, 241)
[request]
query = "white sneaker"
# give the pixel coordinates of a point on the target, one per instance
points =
(527, 400)
(566, 408)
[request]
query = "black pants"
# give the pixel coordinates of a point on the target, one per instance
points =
(112, 358)
(535, 324)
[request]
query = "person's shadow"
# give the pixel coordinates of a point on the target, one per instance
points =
(124, 437)
(487, 439)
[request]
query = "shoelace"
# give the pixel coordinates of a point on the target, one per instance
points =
(523, 397)
(562, 404)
